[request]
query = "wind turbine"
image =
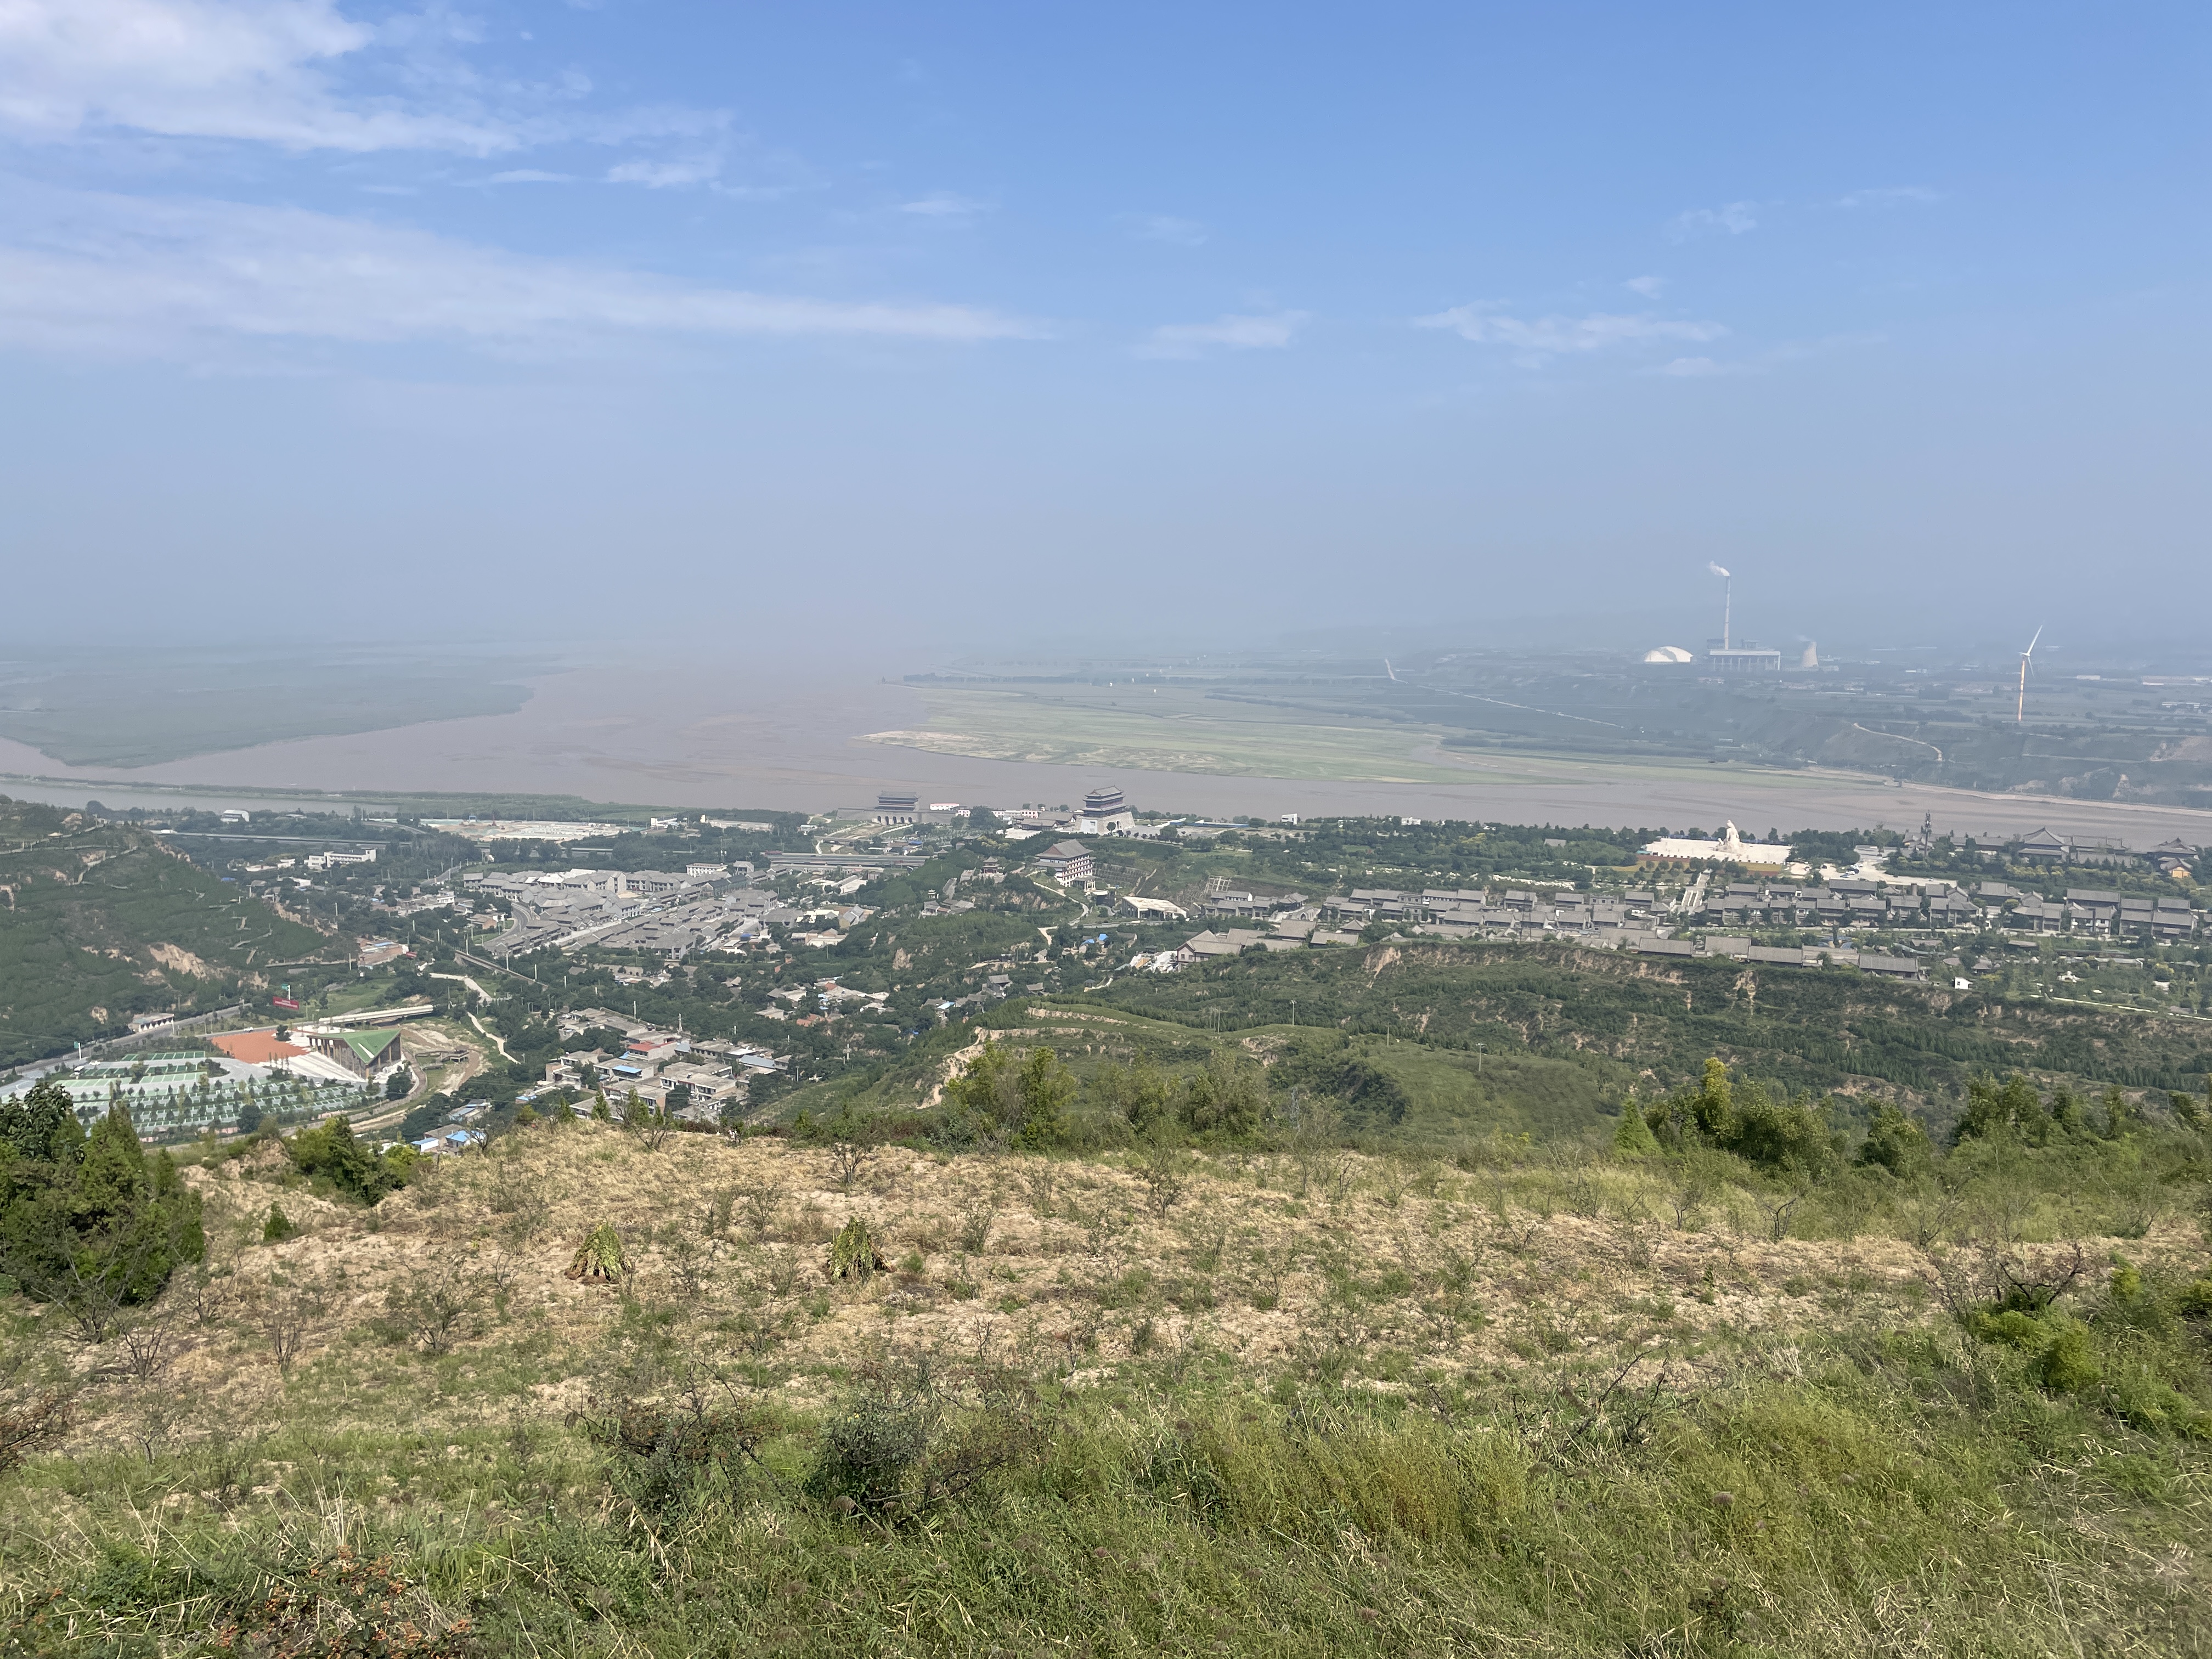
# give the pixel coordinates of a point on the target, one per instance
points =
(2019, 715)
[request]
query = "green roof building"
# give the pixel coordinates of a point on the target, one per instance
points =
(362, 1053)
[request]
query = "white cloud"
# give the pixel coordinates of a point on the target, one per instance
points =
(667, 175)
(1734, 217)
(82, 273)
(1790, 351)
(1893, 196)
(287, 73)
(1536, 340)
(944, 205)
(256, 69)
(529, 176)
(1165, 227)
(1232, 332)
(1648, 286)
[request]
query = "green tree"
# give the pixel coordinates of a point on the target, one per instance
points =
(1713, 1107)
(92, 1224)
(1777, 1133)
(1138, 1094)
(2011, 1108)
(40, 1124)
(1227, 1096)
(396, 1085)
(1895, 1142)
(331, 1151)
(1632, 1137)
(1746, 1120)
(1044, 1088)
(978, 1099)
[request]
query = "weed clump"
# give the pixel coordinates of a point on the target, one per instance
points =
(667, 1462)
(917, 1436)
(868, 1450)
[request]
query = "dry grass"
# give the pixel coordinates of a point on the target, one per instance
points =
(1372, 1268)
(1321, 1403)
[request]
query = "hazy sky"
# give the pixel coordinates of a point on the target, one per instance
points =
(830, 321)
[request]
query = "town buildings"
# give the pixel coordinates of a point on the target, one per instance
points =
(1069, 861)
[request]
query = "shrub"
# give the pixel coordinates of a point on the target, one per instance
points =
(2066, 1366)
(329, 1153)
(278, 1227)
(31, 1423)
(1326, 1067)
(1227, 1097)
(667, 1461)
(869, 1449)
(434, 1312)
(915, 1437)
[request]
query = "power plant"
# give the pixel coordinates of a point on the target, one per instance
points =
(1724, 655)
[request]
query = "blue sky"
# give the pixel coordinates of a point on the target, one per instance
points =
(953, 325)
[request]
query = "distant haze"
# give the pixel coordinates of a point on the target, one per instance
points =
(874, 330)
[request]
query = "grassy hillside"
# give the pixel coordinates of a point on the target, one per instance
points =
(1447, 1095)
(1628, 1021)
(1281, 1400)
(101, 921)
(1484, 1040)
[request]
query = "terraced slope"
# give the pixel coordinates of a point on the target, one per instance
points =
(100, 921)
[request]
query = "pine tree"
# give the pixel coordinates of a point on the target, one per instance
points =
(1632, 1137)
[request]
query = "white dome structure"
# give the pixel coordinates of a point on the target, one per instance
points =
(1667, 653)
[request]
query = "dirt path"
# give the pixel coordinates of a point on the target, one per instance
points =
(495, 1040)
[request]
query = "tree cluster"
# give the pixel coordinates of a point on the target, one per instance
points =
(329, 1153)
(89, 1222)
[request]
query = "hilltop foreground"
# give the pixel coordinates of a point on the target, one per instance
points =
(1287, 1399)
